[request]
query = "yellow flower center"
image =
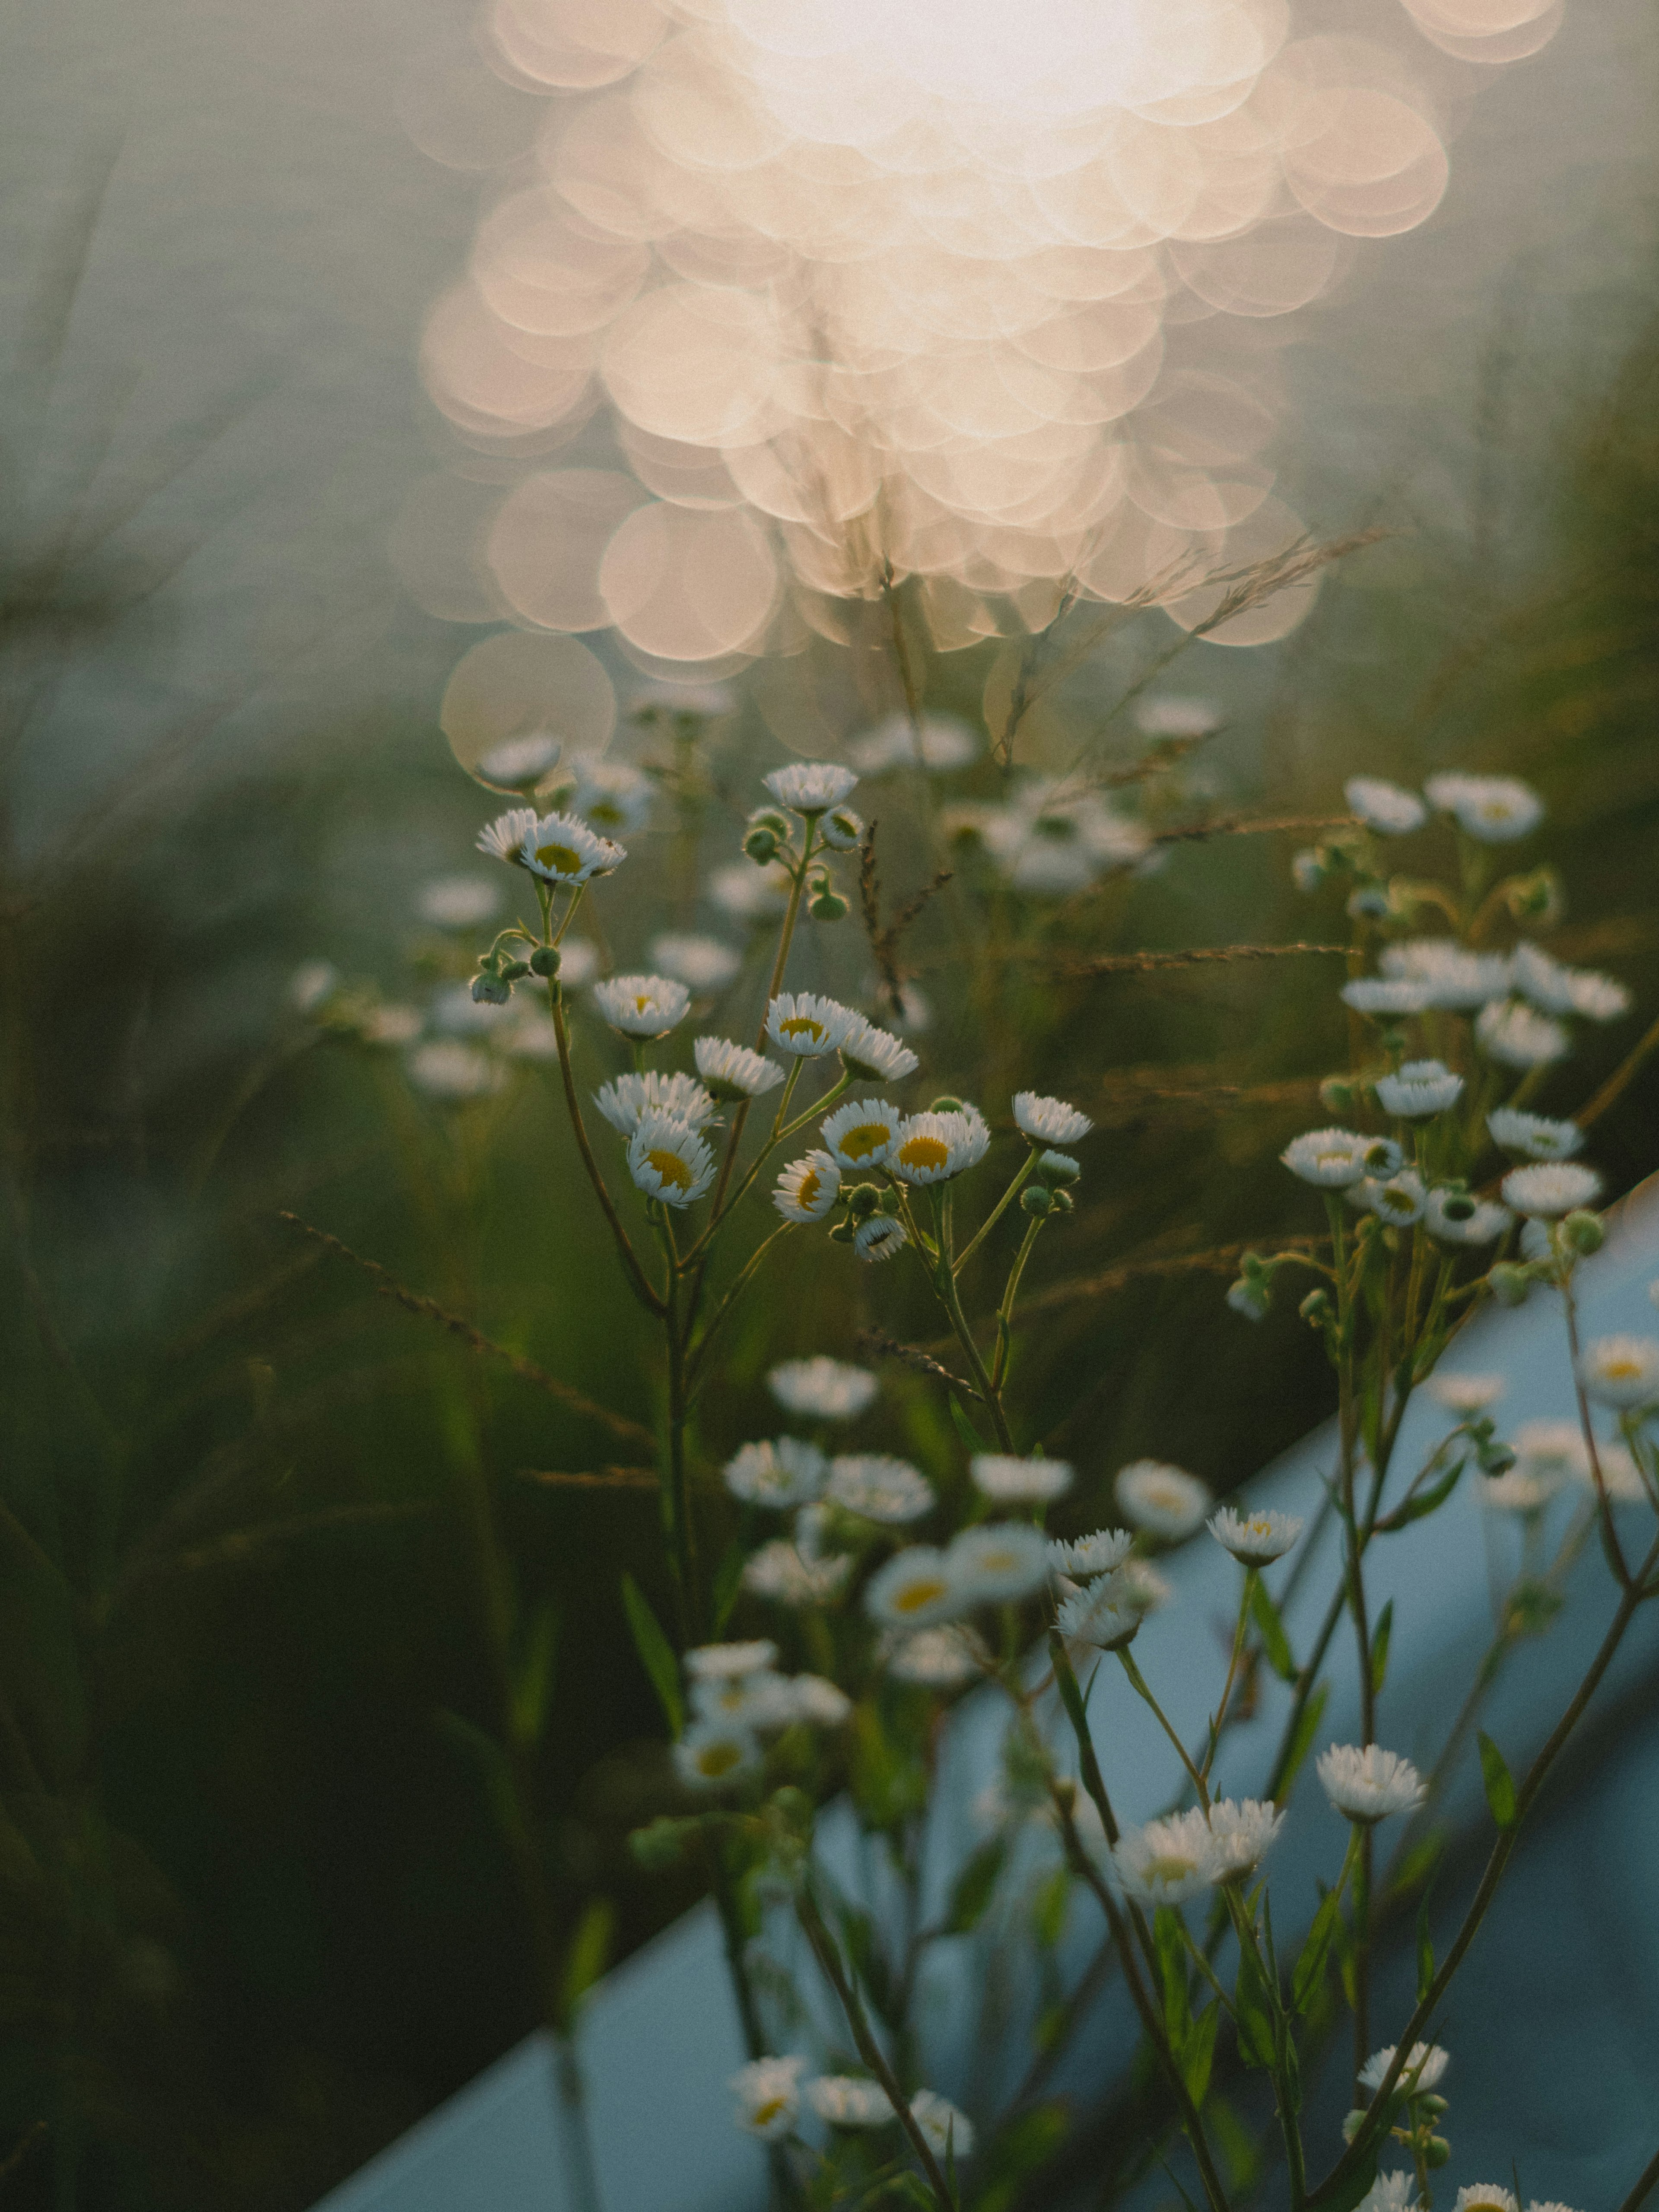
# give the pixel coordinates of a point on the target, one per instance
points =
(563, 859)
(642, 1002)
(1169, 1866)
(810, 1183)
(799, 1025)
(925, 1152)
(671, 1168)
(1622, 1369)
(716, 1760)
(914, 1596)
(767, 2110)
(1258, 1525)
(868, 1137)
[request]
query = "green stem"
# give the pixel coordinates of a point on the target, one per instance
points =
(1239, 1634)
(1006, 1310)
(1138, 1683)
(700, 1350)
(944, 1289)
(643, 1289)
(996, 1212)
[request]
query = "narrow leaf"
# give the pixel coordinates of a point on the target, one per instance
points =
(589, 1954)
(970, 1438)
(1380, 1647)
(1201, 2051)
(1425, 1952)
(1253, 2019)
(1170, 1939)
(1308, 1977)
(975, 1887)
(1302, 1742)
(1500, 1783)
(728, 1581)
(532, 1682)
(656, 1653)
(1274, 1642)
(491, 1762)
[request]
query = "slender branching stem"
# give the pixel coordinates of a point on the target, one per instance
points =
(642, 1287)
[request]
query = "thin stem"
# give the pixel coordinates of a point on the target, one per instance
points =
(1006, 1310)
(945, 1287)
(996, 1212)
(1138, 1683)
(1239, 1634)
(644, 1290)
(1610, 1543)
(700, 1350)
(1645, 2183)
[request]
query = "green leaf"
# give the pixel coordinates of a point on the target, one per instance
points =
(1424, 1502)
(1424, 1951)
(1018, 2150)
(728, 1581)
(869, 1962)
(656, 1653)
(1500, 1784)
(1195, 2059)
(1274, 1642)
(1238, 2144)
(1301, 1742)
(532, 1681)
(970, 1438)
(1309, 1977)
(1048, 1903)
(1419, 1863)
(975, 1887)
(1348, 2192)
(588, 1955)
(1254, 2014)
(1381, 1635)
(1170, 1940)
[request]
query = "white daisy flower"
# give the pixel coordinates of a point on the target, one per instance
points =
(1331, 1159)
(1494, 809)
(1164, 1500)
(454, 1072)
(788, 1575)
(391, 1026)
(727, 1662)
(1100, 1615)
(1453, 977)
(879, 1237)
(456, 1013)
(840, 829)
(1307, 871)
(1241, 1834)
(750, 894)
(612, 796)
(520, 763)
(934, 1658)
(1257, 1538)
(1384, 806)
(732, 1071)
(1621, 1372)
(945, 2129)
(767, 2091)
(503, 839)
(822, 1389)
(1533, 1134)
(1518, 1491)
(933, 1147)
(1382, 995)
(1551, 1189)
(858, 1135)
(808, 1187)
(801, 1023)
(914, 1589)
(875, 1054)
(457, 902)
(642, 1005)
(1368, 1784)
(760, 1701)
(1177, 715)
(560, 848)
(1555, 989)
(782, 1473)
(1423, 2070)
(1485, 2197)
(668, 1160)
(312, 983)
(716, 1754)
(1554, 1450)
(1049, 1121)
(1598, 997)
(1083, 1558)
(1509, 1032)
(626, 1098)
(1455, 1218)
(1139, 1584)
(879, 1488)
(998, 1562)
(941, 743)
(702, 964)
(1401, 1199)
(1009, 1480)
(1621, 1478)
(1420, 1087)
(1389, 2192)
(579, 963)
(816, 1701)
(847, 2100)
(1168, 1861)
(810, 787)
(1466, 1394)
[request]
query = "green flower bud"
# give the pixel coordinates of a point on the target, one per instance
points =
(1436, 2151)
(1036, 1200)
(1509, 1284)
(1316, 1309)
(1583, 1232)
(1340, 1094)
(514, 971)
(840, 830)
(1061, 1201)
(863, 1200)
(828, 905)
(1249, 1295)
(662, 1845)
(769, 817)
(490, 990)
(1539, 898)
(762, 846)
(1432, 2106)
(1495, 1459)
(945, 1105)
(842, 1233)
(544, 960)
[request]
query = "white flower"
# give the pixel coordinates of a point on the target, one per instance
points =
(1177, 715)
(1494, 809)
(668, 1160)
(626, 1098)
(1384, 806)
(1401, 1199)
(808, 1187)
(1241, 1834)
(1555, 989)
(520, 763)
(879, 1488)
(1533, 1134)
(725, 1663)
(942, 741)
(1009, 1480)
(750, 894)
(1049, 1121)
(876, 1055)
(578, 962)
(782, 1473)
(702, 964)
(1553, 1188)
(1511, 1033)
(816, 1701)
(1257, 1538)
(1621, 1372)
(1167, 1861)
(1139, 1584)
(841, 829)
(1516, 1490)
(1420, 1087)
(788, 1575)
(767, 2091)
(1452, 976)
(1083, 1556)
(1389, 2192)
(1101, 1615)
(456, 1013)
(879, 1237)
(1330, 1159)
(763, 1700)
(1307, 870)
(503, 839)
(732, 1071)
(912, 1589)
(457, 902)
(1484, 2197)
(454, 1072)
(715, 1754)
(1455, 1218)
(615, 797)
(642, 1005)
(391, 1026)
(810, 787)
(944, 2128)
(822, 1389)
(1621, 1478)
(847, 2100)
(1422, 2071)
(1553, 1451)
(933, 1147)
(560, 848)
(801, 1023)
(934, 1658)
(312, 983)
(858, 1133)
(1382, 995)
(1368, 1784)
(1467, 1394)
(999, 1561)
(1164, 1500)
